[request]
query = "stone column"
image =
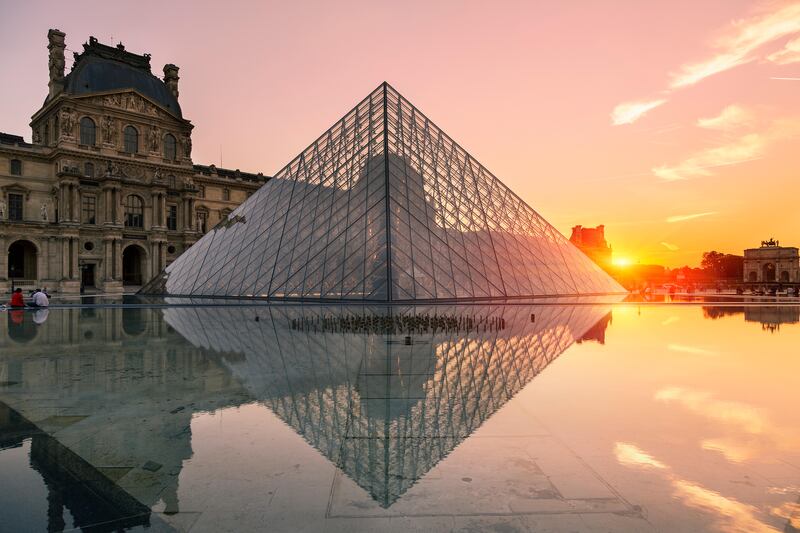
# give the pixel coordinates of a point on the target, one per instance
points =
(76, 204)
(75, 270)
(62, 207)
(65, 258)
(192, 216)
(108, 245)
(3, 259)
(109, 217)
(119, 212)
(117, 259)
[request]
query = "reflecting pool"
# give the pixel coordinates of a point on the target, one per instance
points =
(591, 417)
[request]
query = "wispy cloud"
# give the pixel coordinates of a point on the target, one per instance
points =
(669, 246)
(747, 148)
(630, 112)
(731, 118)
(785, 79)
(742, 42)
(681, 218)
(735, 150)
(789, 54)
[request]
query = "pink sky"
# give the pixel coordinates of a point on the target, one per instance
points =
(552, 97)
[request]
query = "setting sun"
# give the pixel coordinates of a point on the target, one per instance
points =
(622, 261)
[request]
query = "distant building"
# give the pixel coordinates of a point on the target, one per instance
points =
(592, 242)
(772, 263)
(106, 194)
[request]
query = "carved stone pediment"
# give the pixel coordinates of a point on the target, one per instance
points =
(17, 188)
(129, 101)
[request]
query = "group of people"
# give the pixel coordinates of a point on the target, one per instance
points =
(39, 298)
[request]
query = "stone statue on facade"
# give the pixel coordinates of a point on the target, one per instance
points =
(186, 141)
(2, 209)
(43, 210)
(108, 130)
(154, 139)
(37, 138)
(67, 118)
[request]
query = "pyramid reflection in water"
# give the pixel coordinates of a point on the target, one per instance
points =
(384, 408)
(384, 206)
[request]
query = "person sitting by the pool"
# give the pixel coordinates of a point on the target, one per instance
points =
(16, 299)
(39, 299)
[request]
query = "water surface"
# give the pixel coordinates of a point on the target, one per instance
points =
(569, 417)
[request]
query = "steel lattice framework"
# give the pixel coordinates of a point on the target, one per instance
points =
(384, 206)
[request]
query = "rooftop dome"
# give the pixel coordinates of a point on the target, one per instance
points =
(102, 68)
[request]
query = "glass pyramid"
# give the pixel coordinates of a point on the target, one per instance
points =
(384, 206)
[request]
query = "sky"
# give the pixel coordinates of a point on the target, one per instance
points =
(676, 124)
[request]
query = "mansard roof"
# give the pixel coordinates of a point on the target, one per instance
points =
(102, 68)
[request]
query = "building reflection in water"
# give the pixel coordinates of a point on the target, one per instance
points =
(769, 316)
(122, 384)
(385, 408)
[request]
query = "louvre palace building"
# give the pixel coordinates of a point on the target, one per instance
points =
(106, 195)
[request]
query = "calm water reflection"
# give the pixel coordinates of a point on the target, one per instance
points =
(448, 418)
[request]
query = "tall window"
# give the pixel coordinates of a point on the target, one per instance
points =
(226, 194)
(202, 221)
(88, 131)
(201, 191)
(88, 170)
(131, 140)
(134, 212)
(169, 147)
(15, 206)
(172, 217)
(46, 139)
(171, 182)
(89, 209)
(16, 167)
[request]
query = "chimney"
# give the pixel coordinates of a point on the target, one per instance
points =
(56, 46)
(171, 79)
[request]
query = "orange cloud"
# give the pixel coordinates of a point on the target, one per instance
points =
(747, 148)
(630, 112)
(742, 43)
(789, 54)
(731, 118)
(739, 47)
(682, 218)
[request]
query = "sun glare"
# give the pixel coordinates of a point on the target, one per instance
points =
(622, 261)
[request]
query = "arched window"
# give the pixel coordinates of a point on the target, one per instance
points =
(88, 170)
(88, 131)
(134, 212)
(131, 140)
(170, 147)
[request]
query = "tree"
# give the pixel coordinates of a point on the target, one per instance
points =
(722, 266)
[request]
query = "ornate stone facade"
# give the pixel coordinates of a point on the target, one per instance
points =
(592, 242)
(772, 263)
(106, 194)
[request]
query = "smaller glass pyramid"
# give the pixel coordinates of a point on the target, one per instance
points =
(384, 206)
